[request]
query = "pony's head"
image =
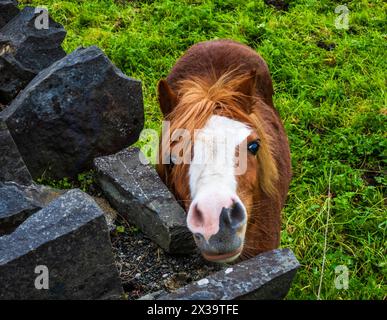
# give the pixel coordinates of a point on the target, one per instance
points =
(218, 156)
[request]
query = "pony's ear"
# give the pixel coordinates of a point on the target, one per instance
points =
(248, 88)
(248, 85)
(167, 98)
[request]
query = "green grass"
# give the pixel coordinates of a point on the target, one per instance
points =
(333, 105)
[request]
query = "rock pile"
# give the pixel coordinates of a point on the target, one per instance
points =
(58, 112)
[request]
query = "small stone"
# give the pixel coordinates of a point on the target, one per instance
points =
(136, 191)
(228, 270)
(68, 238)
(176, 280)
(203, 282)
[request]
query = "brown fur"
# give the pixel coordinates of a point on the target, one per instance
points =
(227, 78)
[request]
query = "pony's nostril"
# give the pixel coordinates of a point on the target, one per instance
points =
(198, 216)
(235, 216)
(198, 237)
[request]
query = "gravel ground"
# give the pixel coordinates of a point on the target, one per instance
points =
(143, 266)
(146, 268)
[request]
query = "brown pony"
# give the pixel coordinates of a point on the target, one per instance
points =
(224, 89)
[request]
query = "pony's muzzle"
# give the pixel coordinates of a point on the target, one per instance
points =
(219, 235)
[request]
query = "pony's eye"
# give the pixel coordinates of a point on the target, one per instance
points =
(253, 147)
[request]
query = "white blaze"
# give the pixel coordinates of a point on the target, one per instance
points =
(212, 177)
(213, 163)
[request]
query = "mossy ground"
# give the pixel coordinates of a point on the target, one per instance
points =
(329, 89)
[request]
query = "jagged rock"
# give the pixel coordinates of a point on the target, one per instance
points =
(138, 194)
(70, 240)
(12, 166)
(18, 202)
(25, 50)
(266, 276)
(8, 10)
(15, 207)
(79, 108)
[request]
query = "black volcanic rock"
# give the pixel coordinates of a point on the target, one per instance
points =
(70, 240)
(267, 276)
(136, 191)
(12, 166)
(18, 202)
(25, 50)
(8, 10)
(15, 207)
(79, 108)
